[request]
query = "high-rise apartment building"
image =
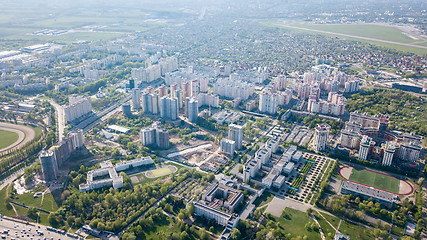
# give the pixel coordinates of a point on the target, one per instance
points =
(389, 149)
(78, 107)
(235, 133)
(321, 134)
(192, 109)
(49, 165)
(168, 108)
(155, 135)
(366, 147)
(136, 98)
(228, 146)
(268, 102)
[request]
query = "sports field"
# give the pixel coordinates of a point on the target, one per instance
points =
(161, 171)
(376, 180)
(7, 138)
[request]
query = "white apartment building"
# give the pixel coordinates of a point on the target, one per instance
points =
(233, 89)
(136, 98)
(321, 134)
(268, 102)
(366, 147)
(228, 146)
(389, 151)
(78, 106)
(235, 133)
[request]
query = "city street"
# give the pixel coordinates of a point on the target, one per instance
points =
(16, 229)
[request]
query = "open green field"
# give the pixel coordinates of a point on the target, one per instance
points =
(363, 30)
(265, 198)
(358, 32)
(48, 203)
(356, 231)
(164, 229)
(19, 21)
(327, 229)
(376, 180)
(7, 138)
(294, 221)
(161, 171)
(5, 209)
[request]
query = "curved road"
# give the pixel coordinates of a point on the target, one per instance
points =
(60, 117)
(25, 134)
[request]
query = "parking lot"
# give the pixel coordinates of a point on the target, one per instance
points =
(16, 229)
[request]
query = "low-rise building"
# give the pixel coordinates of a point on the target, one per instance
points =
(107, 175)
(386, 198)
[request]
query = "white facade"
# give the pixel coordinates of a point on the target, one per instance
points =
(409, 152)
(113, 179)
(268, 102)
(350, 139)
(148, 136)
(365, 145)
(233, 89)
(235, 133)
(228, 146)
(321, 134)
(168, 108)
(207, 99)
(136, 98)
(192, 108)
(78, 107)
(389, 151)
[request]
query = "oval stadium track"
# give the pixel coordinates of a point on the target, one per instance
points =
(25, 134)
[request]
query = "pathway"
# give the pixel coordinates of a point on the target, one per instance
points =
(320, 228)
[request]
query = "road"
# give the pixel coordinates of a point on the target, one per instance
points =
(102, 115)
(359, 37)
(60, 119)
(18, 229)
(25, 134)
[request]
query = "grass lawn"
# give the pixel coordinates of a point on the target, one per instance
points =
(376, 180)
(399, 231)
(370, 31)
(331, 219)
(5, 210)
(363, 30)
(145, 180)
(37, 130)
(161, 171)
(356, 231)
(7, 138)
(163, 230)
(293, 221)
(48, 204)
(327, 229)
(265, 198)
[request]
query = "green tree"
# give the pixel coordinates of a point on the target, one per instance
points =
(184, 236)
(203, 234)
(190, 209)
(235, 234)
